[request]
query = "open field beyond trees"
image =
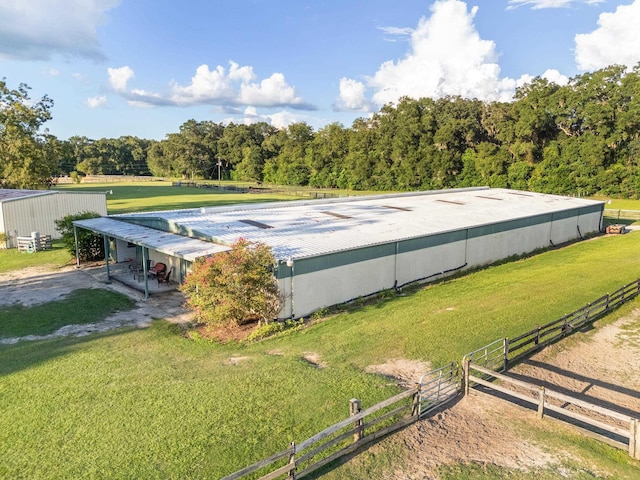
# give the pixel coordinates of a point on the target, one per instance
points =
(153, 403)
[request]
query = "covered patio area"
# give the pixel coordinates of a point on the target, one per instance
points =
(131, 244)
(121, 272)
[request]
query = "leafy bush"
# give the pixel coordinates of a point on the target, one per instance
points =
(75, 176)
(90, 245)
(235, 287)
(274, 328)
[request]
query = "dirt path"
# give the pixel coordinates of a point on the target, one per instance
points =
(599, 367)
(36, 285)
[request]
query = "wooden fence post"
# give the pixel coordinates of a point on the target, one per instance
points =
(355, 407)
(292, 460)
(634, 439)
(505, 354)
(537, 335)
(541, 403)
(465, 375)
(415, 402)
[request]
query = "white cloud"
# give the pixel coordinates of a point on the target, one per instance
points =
(284, 118)
(40, 29)
(281, 119)
(206, 86)
(555, 76)
(446, 57)
(540, 4)
(251, 116)
(237, 86)
(352, 97)
(272, 91)
(118, 77)
(244, 74)
(95, 102)
(397, 31)
(81, 77)
(51, 72)
(615, 41)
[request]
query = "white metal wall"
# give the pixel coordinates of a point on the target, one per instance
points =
(39, 213)
(430, 262)
(303, 294)
(328, 287)
(4, 244)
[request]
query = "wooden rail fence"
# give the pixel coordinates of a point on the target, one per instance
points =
(360, 428)
(630, 433)
(503, 352)
(438, 387)
(622, 214)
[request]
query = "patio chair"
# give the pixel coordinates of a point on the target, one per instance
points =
(164, 278)
(134, 266)
(157, 269)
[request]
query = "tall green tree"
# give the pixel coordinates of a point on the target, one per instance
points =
(25, 160)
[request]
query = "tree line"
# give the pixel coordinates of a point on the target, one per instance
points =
(580, 138)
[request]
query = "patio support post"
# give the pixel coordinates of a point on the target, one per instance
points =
(75, 237)
(145, 271)
(106, 255)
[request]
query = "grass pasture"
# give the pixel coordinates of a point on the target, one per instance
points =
(82, 306)
(12, 259)
(150, 403)
(127, 197)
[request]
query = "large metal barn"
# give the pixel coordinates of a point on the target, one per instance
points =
(332, 251)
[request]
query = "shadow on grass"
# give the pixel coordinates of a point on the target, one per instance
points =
(79, 307)
(29, 354)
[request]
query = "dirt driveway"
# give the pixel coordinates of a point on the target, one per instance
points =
(32, 286)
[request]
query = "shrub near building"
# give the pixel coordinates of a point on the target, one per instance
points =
(90, 244)
(234, 288)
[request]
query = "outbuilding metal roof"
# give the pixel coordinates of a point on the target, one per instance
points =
(310, 228)
(11, 194)
(168, 243)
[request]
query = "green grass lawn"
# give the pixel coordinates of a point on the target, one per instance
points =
(80, 307)
(151, 403)
(129, 197)
(620, 204)
(12, 259)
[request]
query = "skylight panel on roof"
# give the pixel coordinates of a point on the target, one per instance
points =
(404, 209)
(337, 215)
(489, 198)
(256, 224)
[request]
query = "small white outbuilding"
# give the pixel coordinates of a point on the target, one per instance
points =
(23, 212)
(335, 250)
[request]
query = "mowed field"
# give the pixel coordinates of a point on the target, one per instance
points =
(152, 403)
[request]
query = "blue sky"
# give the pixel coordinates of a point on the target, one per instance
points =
(144, 67)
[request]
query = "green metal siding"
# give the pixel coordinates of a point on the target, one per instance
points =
(339, 259)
